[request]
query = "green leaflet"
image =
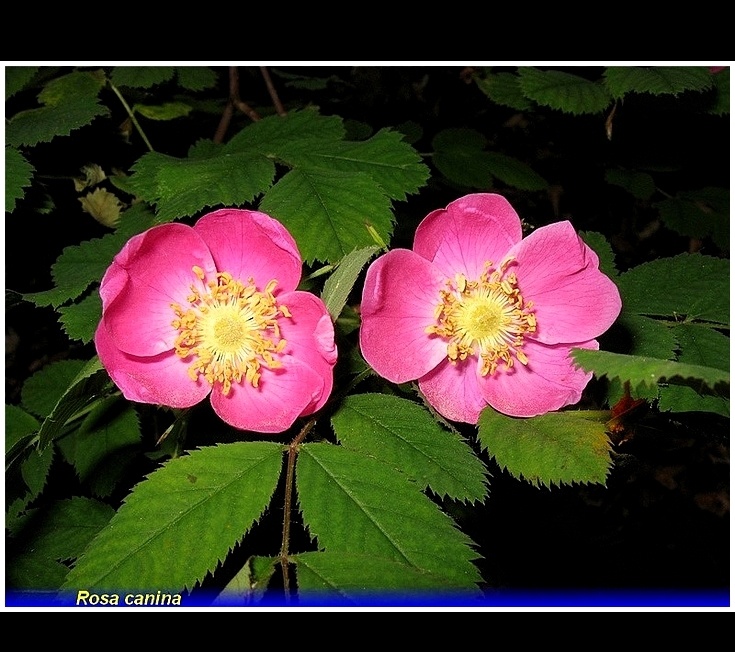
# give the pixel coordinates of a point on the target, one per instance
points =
(183, 520)
(328, 212)
(552, 449)
(563, 91)
(104, 445)
(355, 504)
(650, 371)
(344, 578)
(338, 286)
(79, 266)
(393, 164)
(503, 88)
(604, 251)
(69, 102)
(657, 80)
(406, 436)
(18, 174)
(141, 76)
(63, 530)
(18, 425)
(183, 187)
(639, 184)
(459, 154)
(701, 213)
(687, 286)
(80, 319)
(60, 390)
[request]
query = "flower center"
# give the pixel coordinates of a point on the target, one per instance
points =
(231, 329)
(487, 318)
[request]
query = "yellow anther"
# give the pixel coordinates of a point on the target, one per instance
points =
(231, 331)
(485, 318)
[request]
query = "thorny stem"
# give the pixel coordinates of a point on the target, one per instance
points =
(132, 117)
(272, 91)
(293, 450)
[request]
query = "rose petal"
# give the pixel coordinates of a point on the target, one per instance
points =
(400, 294)
(309, 333)
(281, 397)
(152, 271)
(573, 300)
(251, 244)
(549, 381)
(468, 233)
(160, 380)
(453, 390)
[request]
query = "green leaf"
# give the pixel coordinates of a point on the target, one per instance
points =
(338, 286)
(604, 251)
(183, 520)
(688, 286)
(80, 319)
(328, 212)
(70, 102)
(73, 395)
(141, 76)
(657, 80)
(386, 158)
(34, 571)
(702, 346)
(183, 187)
(358, 505)
(680, 398)
(722, 85)
(352, 579)
(645, 337)
(18, 175)
(78, 267)
(459, 155)
(16, 78)
(563, 91)
(196, 78)
(35, 469)
(638, 184)
(249, 584)
(514, 173)
(650, 371)
(555, 448)
(63, 530)
(166, 111)
(104, 445)
(405, 435)
(286, 136)
(44, 389)
(697, 214)
(503, 88)
(18, 424)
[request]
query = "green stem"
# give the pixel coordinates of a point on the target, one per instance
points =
(293, 450)
(132, 116)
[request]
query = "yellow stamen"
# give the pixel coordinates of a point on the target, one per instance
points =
(486, 318)
(230, 329)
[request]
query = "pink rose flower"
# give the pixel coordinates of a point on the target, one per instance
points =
(481, 316)
(213, 309)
